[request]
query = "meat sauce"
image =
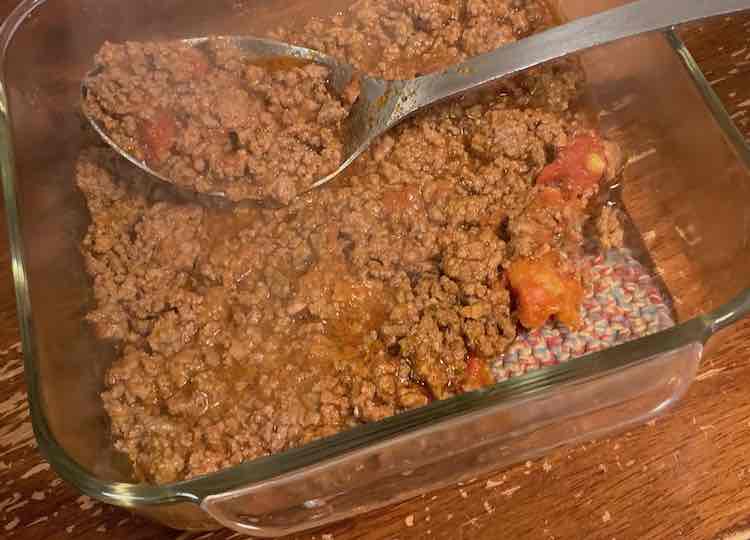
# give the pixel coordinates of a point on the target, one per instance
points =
(243, 332)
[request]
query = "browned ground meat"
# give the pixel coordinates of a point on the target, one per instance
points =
(609, 228)
(208, 119)
(245, 332)
(400, 39)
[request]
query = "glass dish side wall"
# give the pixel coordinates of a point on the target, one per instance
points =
(686, 186)
(457, 449)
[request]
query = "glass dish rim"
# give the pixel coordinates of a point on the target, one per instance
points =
(524, 387)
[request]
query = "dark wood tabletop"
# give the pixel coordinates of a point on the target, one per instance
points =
(683, 475)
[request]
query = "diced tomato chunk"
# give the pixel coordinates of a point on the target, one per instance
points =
(544, 290)
(397, 202)
(550, 197)
(158, 136)
(198, 61)
(478, 374)
(579, 167)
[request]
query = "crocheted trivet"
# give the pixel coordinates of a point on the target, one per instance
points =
(623, 301)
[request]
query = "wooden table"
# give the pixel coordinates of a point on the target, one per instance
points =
(686, 474)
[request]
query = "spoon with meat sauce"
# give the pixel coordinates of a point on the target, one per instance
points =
(248, 155)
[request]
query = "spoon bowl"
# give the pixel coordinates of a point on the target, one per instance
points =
(357, 124)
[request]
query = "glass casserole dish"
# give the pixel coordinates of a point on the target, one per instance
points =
(685, 190)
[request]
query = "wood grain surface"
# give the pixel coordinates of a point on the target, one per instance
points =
(684, 475)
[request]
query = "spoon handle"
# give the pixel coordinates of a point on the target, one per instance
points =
(629, 20)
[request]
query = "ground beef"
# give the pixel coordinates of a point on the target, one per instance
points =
(400, 39)
(609, 228)
(208, 119)
(247, 331)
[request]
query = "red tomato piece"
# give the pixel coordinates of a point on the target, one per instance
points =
(579, 166)
(397, 202)
(477, 375)
(158, 136)
(199, 62)
(543, 290)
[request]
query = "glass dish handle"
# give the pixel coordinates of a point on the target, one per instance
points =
(459, 449)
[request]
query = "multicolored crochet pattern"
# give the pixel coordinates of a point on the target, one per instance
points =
(623, 302)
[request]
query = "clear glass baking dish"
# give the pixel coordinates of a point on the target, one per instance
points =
(687, 190)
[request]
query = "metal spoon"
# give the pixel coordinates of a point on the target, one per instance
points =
(383, 104)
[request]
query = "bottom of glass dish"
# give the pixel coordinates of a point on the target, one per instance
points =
(623, 302)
